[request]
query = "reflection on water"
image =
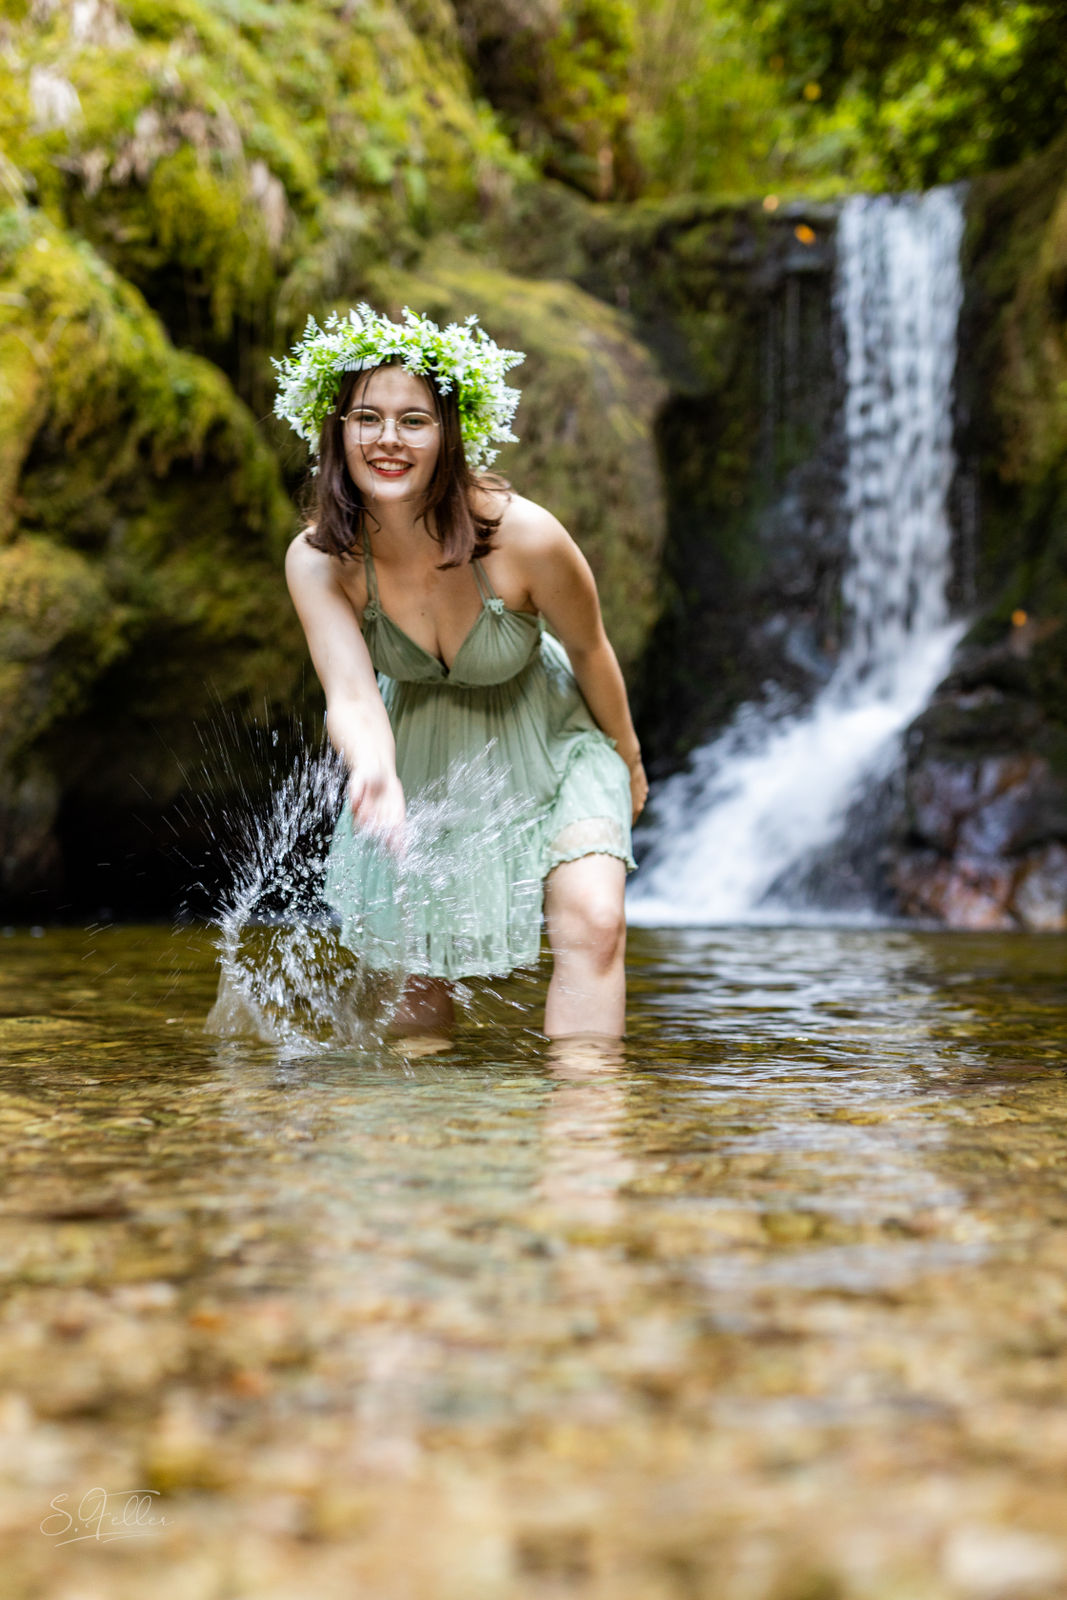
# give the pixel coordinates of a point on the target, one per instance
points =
(768, 1305)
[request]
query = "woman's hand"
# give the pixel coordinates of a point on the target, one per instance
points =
(376, 799)
(638, 787)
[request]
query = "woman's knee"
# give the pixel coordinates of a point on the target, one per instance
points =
(593, 926)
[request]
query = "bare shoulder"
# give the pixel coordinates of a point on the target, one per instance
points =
(304, 564)
(529, 532)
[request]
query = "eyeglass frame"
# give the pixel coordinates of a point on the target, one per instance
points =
(414, 412)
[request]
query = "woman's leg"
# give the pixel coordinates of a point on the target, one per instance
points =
(425, 1007)
(587, 931)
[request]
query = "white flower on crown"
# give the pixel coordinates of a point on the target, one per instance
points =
(460, 356)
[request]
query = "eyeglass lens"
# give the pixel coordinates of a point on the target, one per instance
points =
(414, 427)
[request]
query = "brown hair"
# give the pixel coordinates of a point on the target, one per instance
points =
(336, 508)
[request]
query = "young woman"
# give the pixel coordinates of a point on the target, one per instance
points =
(424, 586)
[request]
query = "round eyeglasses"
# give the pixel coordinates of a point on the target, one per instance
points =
(414, 428)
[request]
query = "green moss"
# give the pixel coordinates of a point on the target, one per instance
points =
(1016, 249)
(208, 225)
(22, 407)
(59, 627)
(203, 147)
(111, 373)
(149, 511)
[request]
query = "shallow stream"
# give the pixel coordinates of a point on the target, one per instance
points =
(772, 1307)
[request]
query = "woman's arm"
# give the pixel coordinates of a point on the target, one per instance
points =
(563, 589)
(356, 719)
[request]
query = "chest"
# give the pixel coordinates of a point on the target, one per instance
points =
(411, 613)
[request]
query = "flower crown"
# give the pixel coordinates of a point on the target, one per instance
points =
(461, 355)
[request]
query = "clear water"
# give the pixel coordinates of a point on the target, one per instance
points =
(773, 787)
(769, 1306)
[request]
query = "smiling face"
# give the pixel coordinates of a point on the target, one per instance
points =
(391, 468)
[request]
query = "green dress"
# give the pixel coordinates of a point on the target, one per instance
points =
(506, 775)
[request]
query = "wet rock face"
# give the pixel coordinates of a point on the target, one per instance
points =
(983, 809)
(983, 844)
(984, 893)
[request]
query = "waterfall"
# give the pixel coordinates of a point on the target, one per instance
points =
(771, 790)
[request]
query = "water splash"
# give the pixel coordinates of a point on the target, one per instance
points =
(735, 830)
(285, 976)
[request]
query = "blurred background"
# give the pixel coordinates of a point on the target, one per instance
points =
(791, 276)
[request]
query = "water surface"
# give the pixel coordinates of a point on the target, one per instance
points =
(773, 1307)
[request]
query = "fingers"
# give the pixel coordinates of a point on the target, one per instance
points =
(638, 791)
(377, 805)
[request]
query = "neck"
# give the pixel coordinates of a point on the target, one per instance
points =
(396, 530)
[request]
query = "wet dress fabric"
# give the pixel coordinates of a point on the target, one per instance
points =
(506, 775)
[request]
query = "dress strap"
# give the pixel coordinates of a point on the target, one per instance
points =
(485, 588)
(372, 576)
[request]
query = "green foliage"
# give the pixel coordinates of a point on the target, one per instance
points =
(708, 116)
(741, 96)
(586, 95)
(203, 146)
(916, 92)
(558, 72)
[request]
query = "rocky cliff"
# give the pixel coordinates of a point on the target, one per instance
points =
(983, 839)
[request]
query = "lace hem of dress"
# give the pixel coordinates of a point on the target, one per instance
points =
(591, 836)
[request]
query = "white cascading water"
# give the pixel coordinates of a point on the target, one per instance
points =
(770, 790)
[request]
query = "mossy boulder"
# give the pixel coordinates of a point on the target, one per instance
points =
(139, 581)
(234, 162)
